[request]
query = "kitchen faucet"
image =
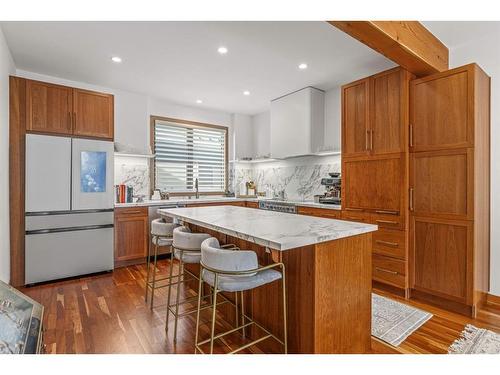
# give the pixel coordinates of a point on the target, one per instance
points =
(196, 187)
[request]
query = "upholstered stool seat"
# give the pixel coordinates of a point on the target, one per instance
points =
(161, 236)
(236, 271)
(241, 283)
(186, 247)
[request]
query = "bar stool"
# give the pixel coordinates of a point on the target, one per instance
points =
(161, 235)
(226, 270)
(186, 249)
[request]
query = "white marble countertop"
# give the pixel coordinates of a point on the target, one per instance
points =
(216, 199)
(276, 230)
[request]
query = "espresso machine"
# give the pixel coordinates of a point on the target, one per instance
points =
(332, 186)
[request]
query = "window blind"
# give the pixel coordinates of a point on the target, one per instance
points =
(185, 153)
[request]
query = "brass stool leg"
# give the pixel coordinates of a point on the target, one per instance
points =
(200, 287)
(214, 307)
(243, 314)
(180, 273)
(147, 274)
(172, 258)
(283, 284)
(236, 312)
(154, 274)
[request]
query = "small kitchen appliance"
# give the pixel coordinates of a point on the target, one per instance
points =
(332, 185)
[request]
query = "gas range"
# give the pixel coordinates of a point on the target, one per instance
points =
(280, 206)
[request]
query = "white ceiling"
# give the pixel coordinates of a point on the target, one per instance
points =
(178, 61)
(455, 33)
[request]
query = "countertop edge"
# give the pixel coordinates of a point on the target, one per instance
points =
(217, 200)
(368, 228)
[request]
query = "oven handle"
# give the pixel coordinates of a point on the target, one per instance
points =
(68, 229)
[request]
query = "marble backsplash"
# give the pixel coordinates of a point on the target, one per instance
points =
(300, 178)
(133, 171)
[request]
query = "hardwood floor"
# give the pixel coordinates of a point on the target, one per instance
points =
(106, 314)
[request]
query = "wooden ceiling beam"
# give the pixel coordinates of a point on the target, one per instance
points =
(407, 43)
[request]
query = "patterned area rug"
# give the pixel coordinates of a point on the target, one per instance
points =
(475, 340)
(393, 321)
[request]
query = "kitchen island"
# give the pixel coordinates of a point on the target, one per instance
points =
(328, 270)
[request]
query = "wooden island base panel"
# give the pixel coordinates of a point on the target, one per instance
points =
(328, 283)
(328, 294)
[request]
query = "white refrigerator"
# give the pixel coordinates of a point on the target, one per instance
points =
(68, 208)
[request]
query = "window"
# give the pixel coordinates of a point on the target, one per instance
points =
(186, 151)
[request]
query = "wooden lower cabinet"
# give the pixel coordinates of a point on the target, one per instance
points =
(319, 212)
(252, 204)
(392, 243)
(442, 258)
(237, 203)
(389, 247)
(389, 271)
(131, 235)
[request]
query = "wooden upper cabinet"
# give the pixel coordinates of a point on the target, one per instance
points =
(66, 110)
(373, 184)
(93, 114)
(441, 110)
(387, 122)
(48, 108)
(355, 118)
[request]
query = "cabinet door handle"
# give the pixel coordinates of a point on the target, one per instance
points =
(70, 125)
(371, 140)
(387, 243)
(367, 135)
(74, 120)
(411, 199)
(353, 209)
(387, 222)
(387, 212)
(132, 212)
(386, 271)
(411, 135)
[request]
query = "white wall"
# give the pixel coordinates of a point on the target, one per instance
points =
(6, 68)
(485, 52)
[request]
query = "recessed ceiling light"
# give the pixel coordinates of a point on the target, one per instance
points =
(116, 59)
(302, 66)
(246, 92)
(199, 101)
(222, 50)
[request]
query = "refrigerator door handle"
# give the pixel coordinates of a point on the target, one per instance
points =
(68, 229)
(46, 213)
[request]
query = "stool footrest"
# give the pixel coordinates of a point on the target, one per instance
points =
(256, 341)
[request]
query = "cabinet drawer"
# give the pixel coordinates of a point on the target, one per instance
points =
(355, 216)
(389, 242)
(128, 211)
(387, 219)
(388, 270)
(319, 212)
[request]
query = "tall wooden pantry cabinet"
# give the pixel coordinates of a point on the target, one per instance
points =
(375, 160)
(450, 188)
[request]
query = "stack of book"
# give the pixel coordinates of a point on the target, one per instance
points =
(124, 193)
